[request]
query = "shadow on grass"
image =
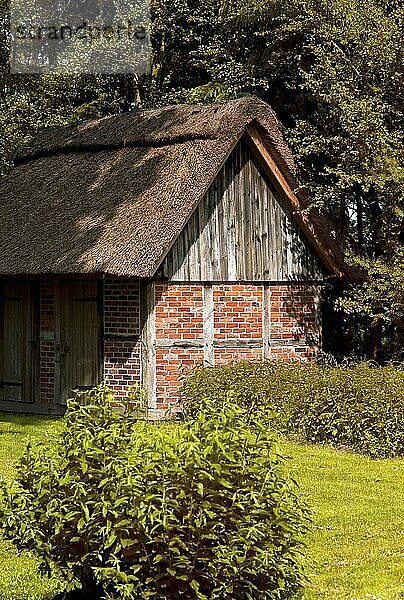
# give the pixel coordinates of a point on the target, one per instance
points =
(21, 420)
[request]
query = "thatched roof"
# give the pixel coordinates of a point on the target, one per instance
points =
(111, 196)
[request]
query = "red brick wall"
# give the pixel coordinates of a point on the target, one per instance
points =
(238, 313)
(228, 355)
(293, 312)
(179, 316)
(47, 348)
(293, 353)
(179, 311)
(122, 360)
(170, 366)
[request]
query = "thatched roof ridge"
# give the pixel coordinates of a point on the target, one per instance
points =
(160, 127)
(111, 196)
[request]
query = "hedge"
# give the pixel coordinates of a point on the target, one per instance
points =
(358, 406)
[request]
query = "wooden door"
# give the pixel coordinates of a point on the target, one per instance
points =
(18, 343)
(78, 343)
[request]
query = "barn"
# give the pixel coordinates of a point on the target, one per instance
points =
(139, 245)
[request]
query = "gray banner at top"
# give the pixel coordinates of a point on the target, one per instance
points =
(80, 36)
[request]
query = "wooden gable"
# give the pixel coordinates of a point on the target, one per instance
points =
(242, 230)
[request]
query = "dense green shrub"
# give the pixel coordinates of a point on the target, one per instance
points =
(359, 406)
(200, 509)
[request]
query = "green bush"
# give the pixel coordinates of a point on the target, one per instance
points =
(132, 509)
(357, 406)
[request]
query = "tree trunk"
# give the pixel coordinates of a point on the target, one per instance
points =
(376, 214)
(359, 221)
(376, 331)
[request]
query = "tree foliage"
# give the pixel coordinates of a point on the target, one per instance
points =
(30, 102)
(334, 71)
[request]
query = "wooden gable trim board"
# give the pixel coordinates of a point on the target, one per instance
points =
(259, 145)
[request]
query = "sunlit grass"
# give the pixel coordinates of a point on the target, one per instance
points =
(357, 548)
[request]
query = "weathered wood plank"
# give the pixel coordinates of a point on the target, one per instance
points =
(19, 356)
(78, 342)
(238, 343)
(167, 343)
(203, 240)
(217, 232)
(266, 321)
(242, 231)
(197, 266)
(127, 337)
(34, 408)
(214, 343)
(210, 253)
(233, 343)
(233, 244)
(208, 326)
(148, 343)
(239, 221)
(280, 343)
(249, 191)
(265, 216)
(255, 230)
(284, 188)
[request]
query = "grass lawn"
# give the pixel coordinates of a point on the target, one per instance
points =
(356, 551)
